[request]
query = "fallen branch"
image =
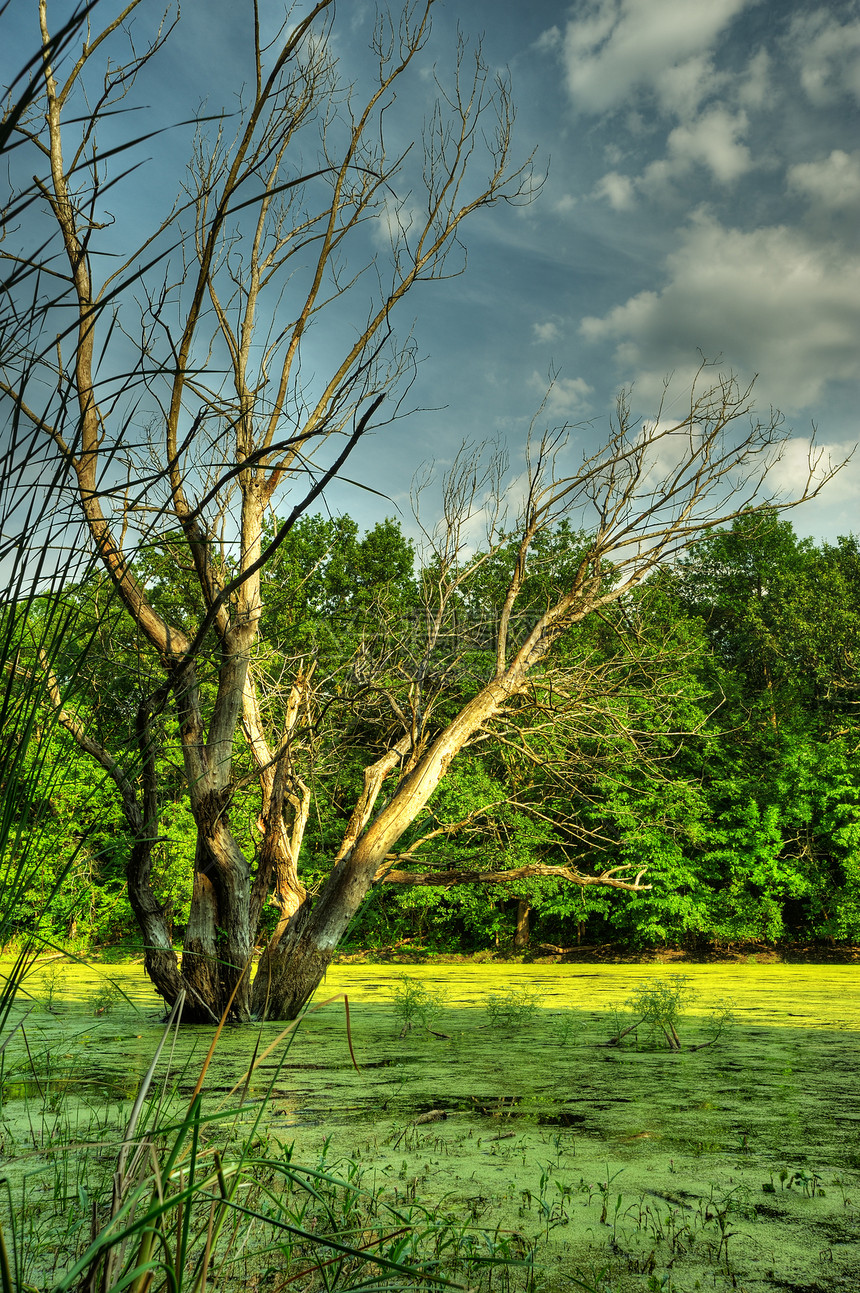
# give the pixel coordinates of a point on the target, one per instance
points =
(613, 1041)
(445, 879)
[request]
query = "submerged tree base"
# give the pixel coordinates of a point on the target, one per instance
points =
(287, 978)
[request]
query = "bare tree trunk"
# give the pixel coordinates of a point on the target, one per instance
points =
(159, 958)
(305, 952)
(218, 946)
(283, 795)
(521, 932)
(289, 974)
(199, 950)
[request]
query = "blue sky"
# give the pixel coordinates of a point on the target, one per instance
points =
(702, 196)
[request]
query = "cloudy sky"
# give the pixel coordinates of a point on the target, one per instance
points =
(702, 198)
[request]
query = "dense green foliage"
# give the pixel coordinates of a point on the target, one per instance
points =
(706, 729)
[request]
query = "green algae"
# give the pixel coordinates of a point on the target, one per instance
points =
(737, 1165)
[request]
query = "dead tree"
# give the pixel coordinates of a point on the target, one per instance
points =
(645, 496)
(212, 425)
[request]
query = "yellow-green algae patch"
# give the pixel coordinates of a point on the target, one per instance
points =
(781, 995)
(733, 1166)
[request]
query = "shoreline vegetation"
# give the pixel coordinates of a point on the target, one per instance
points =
(740, 810)
(410, 952)
(613, 954)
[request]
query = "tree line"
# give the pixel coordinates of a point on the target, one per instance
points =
(712, 746)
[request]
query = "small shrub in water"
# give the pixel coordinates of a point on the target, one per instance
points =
(50, 985)
(660, 1003)
(415, 1004)
(721, 1017)
(566, 1028)
(104, 1000)
(513, 1008)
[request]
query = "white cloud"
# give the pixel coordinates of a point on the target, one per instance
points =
(566, 397)
(789, 475)
(833, 183)
(393, 222)
(671, 444)
(619, 47)
(829, 56)
(565, 203)
(360, 15)
(682, 88)
(714, 142)
(617, 189)
(754, 85)
(546, 332)
(770, 301)
(548, 40)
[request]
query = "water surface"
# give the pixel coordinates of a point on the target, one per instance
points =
(543, 1124)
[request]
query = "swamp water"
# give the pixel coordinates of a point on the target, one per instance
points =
(630, 1167)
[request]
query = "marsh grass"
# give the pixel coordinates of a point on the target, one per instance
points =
(190, 1194)
(562, 1173)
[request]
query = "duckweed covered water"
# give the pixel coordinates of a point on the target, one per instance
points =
(631, 1167)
